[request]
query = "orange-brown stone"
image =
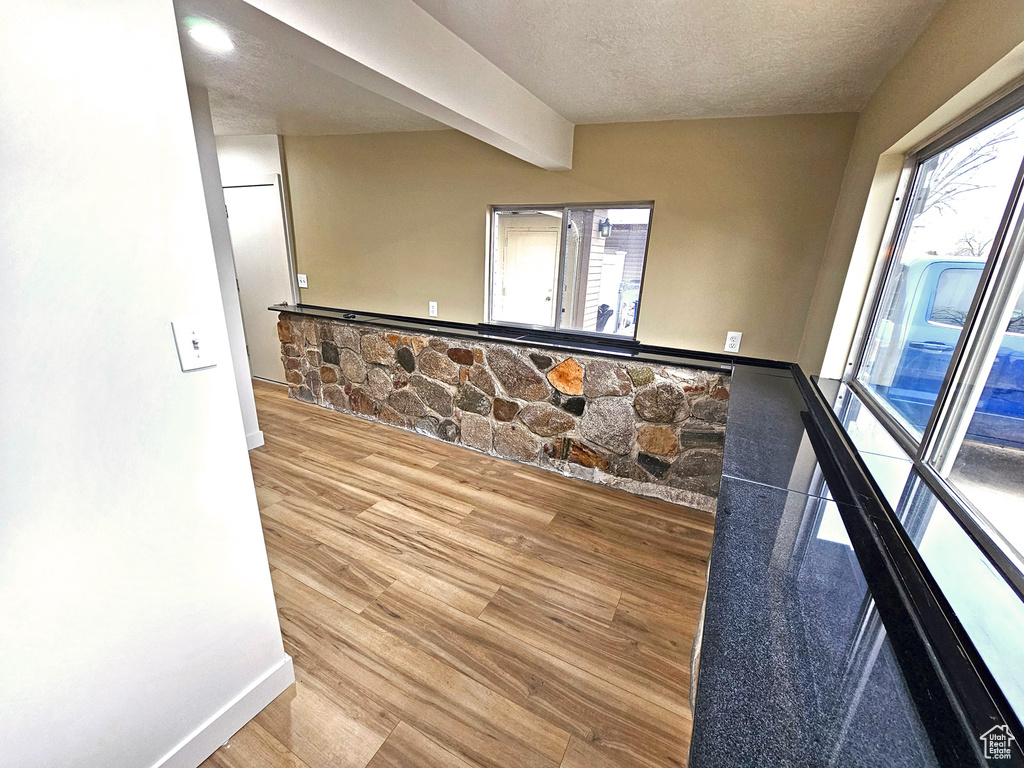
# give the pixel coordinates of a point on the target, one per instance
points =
(393, 339)
(567, 377)
(720, 393)
(284, 333)
(328, 375)
(659, 440)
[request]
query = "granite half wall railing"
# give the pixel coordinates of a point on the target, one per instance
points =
(652, 429)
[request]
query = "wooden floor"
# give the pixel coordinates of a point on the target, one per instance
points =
(445, 608)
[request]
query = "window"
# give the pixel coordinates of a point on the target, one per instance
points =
(942, 361)
(576, 268)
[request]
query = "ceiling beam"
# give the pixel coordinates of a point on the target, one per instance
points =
(396, 49)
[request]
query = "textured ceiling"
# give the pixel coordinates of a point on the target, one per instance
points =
(258, 89)
(597, 61)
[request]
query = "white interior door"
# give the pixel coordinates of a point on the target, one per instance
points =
(258, 239)
(531, 259)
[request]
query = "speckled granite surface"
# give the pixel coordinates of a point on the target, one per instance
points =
(796, 668)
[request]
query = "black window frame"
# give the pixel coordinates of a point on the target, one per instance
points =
(1006, 257)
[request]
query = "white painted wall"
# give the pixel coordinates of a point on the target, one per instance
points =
(202, 121)
(138, 621)
(248, 159)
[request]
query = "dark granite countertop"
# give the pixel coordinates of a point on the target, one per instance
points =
(795, 668)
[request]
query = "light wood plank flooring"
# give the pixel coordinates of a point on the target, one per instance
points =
(445, 608)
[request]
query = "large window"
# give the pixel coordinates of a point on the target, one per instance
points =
(575, 268)
(942, 357)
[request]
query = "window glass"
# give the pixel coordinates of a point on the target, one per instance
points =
(577, 268)
(604, 264)
(957, 202)
(525, 266)
(985, 460)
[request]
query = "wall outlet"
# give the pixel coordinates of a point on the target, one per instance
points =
(303, 282)
(432, 308)
(193, 345)
(732, 341)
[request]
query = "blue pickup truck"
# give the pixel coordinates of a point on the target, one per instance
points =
(925, 328)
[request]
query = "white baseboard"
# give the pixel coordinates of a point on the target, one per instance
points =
(205, 740)
(254, 439)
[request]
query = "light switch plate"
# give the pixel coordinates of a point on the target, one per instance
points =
(732, 341)
(193, 345)
(432, 308)
(303, 282)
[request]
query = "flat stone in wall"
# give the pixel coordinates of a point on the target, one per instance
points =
(656, 430)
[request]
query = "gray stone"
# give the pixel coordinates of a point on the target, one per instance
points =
(406, 359)
(505, 410)
(302, 393)
(664, 403)
(546, 420)
(711, 409)
(482, 379)
(427, 426)
(407, 403)
(699, 471)
(438, 345)
(603, 379)
(701, 436)
(609, 423)
(438, 366)
(473, 400)
(640, 374)
(517, 377)
(352, 366)
(379, 383)
(346, 337)
(448, 431)
(654, 465)
(514, 441)
(334, 396)
(626, 466)
(313, 381)
(329, 352)
(541, 361)
(574, 405)
(436, 396)
(476, 432)
(375, 349)
(314, 358)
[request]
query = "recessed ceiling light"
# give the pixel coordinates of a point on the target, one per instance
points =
(209, 35)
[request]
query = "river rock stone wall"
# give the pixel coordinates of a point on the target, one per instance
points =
(655, 430)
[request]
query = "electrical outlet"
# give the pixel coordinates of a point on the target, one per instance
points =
(432, 308)
(732, 341)
(303, 282)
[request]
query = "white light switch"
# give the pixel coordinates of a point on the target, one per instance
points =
(732, 341)
(303, 282)
(432, 308)
(193, 345)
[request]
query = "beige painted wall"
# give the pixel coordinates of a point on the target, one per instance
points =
(963, 40)
(387, 222)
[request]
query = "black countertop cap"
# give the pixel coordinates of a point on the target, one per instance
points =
(608, 346)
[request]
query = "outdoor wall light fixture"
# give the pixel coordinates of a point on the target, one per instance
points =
(604, 227)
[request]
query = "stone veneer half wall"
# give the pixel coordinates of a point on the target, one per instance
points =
(656, 430)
